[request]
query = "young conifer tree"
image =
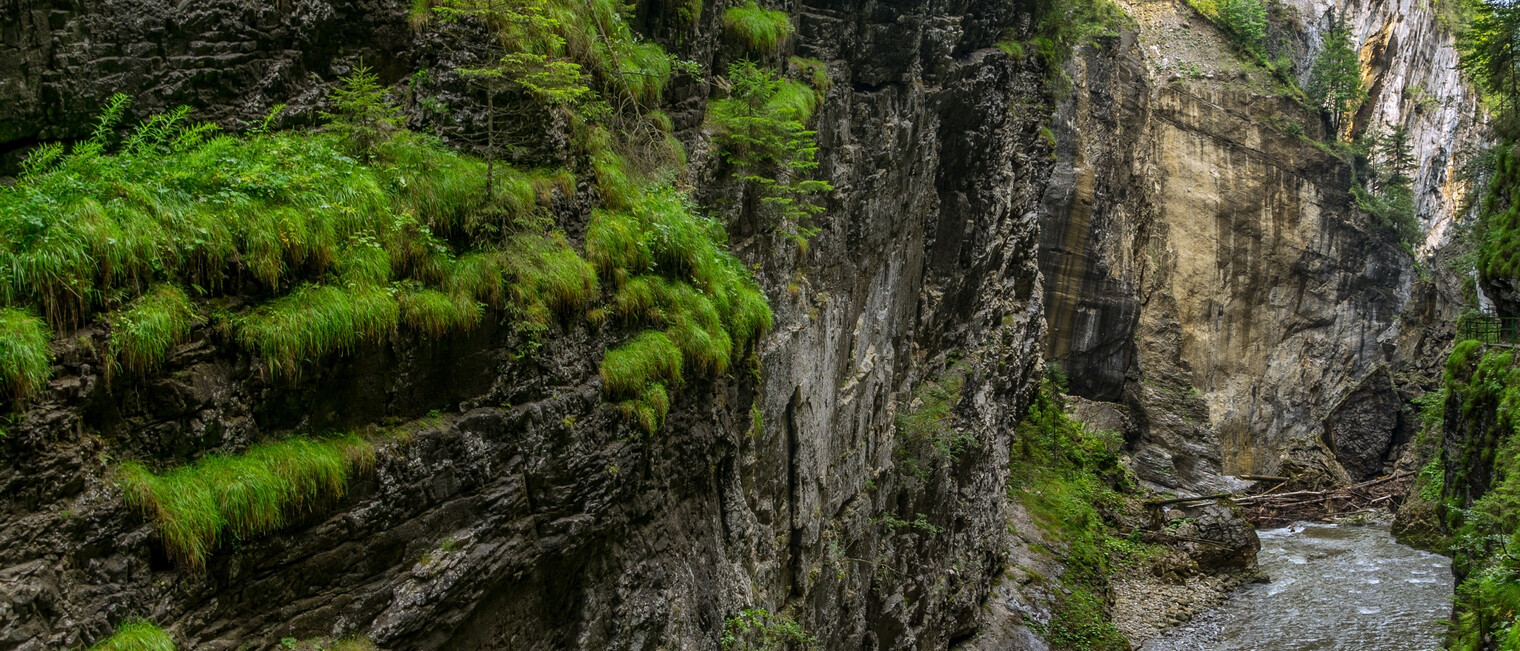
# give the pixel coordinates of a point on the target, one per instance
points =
(1335, 80)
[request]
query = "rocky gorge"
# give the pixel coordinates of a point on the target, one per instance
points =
(1154, 215)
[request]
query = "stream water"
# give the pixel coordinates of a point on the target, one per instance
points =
(1340, 588)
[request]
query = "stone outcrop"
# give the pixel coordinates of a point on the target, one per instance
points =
(524, 512)
(1206, 265)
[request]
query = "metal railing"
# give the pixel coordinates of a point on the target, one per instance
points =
(1489, 329)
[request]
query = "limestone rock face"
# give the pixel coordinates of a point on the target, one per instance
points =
(527, 514)
(1206, 265)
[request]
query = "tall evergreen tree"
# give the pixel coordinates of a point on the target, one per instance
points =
(1491, 56)
(1335, 81)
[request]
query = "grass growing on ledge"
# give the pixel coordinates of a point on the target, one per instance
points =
(672, 274)
(136, 635)
(436, 314)
(760, 30)
(143, 332)
(547, 277)
(314, 321)
(244, 495)
(638, 372)
(25, 361)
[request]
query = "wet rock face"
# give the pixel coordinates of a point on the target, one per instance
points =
(229, 60)
(1360, 429)
(527, 514)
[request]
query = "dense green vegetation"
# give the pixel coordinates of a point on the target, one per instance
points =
(761, 128)
(1389, 166)
(345, 235)
(1485, 387)
(1070, 480)
(137, 635)
(242, 495)
(757, 629)
(24, 356)
(1059, 27)
(143, 332)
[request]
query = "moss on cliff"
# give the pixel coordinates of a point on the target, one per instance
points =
(1481, 494)
(1070, 480)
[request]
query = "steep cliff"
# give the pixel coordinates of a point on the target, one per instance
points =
(1206, 265)
(514, 508)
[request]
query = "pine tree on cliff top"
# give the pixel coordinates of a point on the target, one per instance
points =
(1335, 81)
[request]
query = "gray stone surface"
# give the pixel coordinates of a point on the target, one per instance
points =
(532, 516)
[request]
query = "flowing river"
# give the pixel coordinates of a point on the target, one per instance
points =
(1340, 588)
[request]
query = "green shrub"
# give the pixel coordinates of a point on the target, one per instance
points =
(143, 333)
(314, 321)
(364, 120)
(25, 360)
(760, 30)
(136, 635)
(760, 129)
(244, 495)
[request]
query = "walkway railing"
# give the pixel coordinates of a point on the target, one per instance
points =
(1489, 329)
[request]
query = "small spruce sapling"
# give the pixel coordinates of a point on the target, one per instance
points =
(363, 117)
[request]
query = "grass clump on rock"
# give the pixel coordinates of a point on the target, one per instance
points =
(315, 320)
(760, 30)
(25, 362)
(671, 274)
(143, 333)
(137, 635)
(637, 373)
(243, 495)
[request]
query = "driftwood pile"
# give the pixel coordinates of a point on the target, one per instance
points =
(1276, 509)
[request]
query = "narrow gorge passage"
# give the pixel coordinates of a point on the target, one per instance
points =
(759, 325)
(1331, 588)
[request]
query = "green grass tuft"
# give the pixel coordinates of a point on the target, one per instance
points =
(244, 495)
(436, 314)
(760, 30)
(136, 635)
(25, 360)
(363, 262)
(649, 358)
(547, 277)
(143, 333)
(314, 321)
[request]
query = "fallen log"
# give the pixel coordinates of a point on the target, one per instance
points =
(1180, 500)
(1262, 478)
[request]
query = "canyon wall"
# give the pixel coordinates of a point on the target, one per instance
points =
(1206, 265)
(510, 506)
